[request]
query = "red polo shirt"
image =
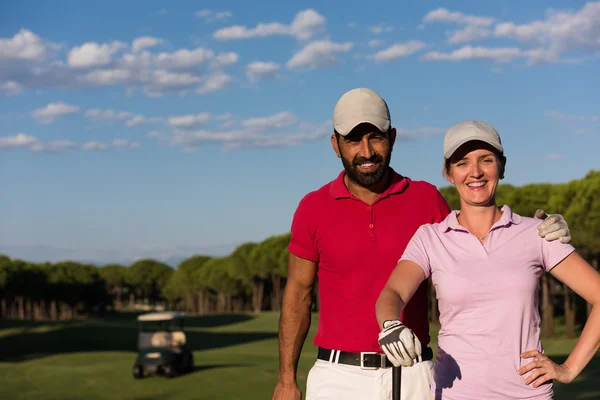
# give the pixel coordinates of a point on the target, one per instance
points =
(356, 247)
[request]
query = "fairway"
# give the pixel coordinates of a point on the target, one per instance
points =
(236, 358)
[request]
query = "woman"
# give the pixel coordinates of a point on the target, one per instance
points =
(485, 262)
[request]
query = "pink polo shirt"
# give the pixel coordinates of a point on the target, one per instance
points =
(488, 301)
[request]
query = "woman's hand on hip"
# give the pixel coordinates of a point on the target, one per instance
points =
(544, 370)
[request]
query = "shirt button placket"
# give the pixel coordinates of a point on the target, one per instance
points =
(371, 224)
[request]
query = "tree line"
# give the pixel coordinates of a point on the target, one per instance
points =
(252, 276)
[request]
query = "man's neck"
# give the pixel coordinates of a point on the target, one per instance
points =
(369, 194)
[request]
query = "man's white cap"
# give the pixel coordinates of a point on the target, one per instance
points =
(359, 106)
(466, 131)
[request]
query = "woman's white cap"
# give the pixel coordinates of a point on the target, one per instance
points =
(466, 131)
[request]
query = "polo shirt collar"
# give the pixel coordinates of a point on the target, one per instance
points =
(451, 221)
(338, 189)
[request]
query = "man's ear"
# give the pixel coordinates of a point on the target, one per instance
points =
(392, 137)
(335, 145)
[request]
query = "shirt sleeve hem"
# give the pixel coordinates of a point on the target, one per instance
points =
(406, 257)
(303, 253)
(559, 258)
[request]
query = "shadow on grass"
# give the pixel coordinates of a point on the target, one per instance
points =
(212, 321)
(198, 368)
(82, 336)
(585, 387)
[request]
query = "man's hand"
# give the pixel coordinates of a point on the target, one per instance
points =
(554, 227)
(286, 391)
(399, 343)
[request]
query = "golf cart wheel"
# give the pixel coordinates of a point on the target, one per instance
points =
(138, 371)
(169, 371)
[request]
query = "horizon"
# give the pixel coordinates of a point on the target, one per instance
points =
(176, 130)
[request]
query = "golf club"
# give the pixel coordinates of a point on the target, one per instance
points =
(396, 382)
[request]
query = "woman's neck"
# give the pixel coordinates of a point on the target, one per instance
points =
(479, 220)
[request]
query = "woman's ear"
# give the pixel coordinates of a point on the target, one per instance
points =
(449, 175)
(502, 167)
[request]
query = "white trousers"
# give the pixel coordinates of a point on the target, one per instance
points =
(330, 381)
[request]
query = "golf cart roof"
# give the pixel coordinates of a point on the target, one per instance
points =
(161, 316)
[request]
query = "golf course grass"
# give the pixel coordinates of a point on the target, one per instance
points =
(235, 357)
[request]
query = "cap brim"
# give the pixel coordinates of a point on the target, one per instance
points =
(448, 153)
(347, 126)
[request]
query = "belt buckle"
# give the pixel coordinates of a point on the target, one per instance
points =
(382, 360)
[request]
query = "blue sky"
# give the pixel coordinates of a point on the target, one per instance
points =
(163, 129)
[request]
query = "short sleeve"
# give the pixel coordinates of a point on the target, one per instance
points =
(416, 250)
(302, 242)
(440, 209)
(554, 252)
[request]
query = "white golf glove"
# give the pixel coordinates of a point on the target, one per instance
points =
(399, 343)
(554, 227)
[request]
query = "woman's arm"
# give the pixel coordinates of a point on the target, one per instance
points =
(583, 279)
(402, 284)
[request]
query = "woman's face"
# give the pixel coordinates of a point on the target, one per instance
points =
(475, 170)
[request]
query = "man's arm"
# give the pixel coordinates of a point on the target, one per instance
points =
(295, 318)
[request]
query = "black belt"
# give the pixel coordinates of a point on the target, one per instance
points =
(365, 359)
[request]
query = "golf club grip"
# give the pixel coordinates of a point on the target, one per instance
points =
(396, 382)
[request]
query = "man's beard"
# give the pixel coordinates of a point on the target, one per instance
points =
(367, 179)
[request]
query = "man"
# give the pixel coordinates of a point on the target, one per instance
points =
(352, 232)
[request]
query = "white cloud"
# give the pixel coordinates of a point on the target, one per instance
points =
(106, 115)
(379, 29)
(140, 120)
(476, 27)
(11, 88)
(214, 83)
(145, 42)
(559, 116)
(500, 55)
(92, 54)
(124, 144)
(189, 121)
(320, 53)
(55, 146)
(198, 70)
(160, 82)
(212, 16)
(106, 77)
(276, 121)
(262, 70)
(247, 138)
(224, 59)
(398, 50)
(375, 42)
(180, 59)
(26, 45)
(19, 140)
(554, 156)
(223, 117)
(415, 133)
(470, 33)
(445, 15)
(305, 25)
(158, 135)
(560, 32)
(94, 146)
(47, 115)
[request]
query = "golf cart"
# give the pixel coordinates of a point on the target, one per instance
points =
(162, 345)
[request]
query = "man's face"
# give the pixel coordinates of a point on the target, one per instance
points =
(366, 153)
